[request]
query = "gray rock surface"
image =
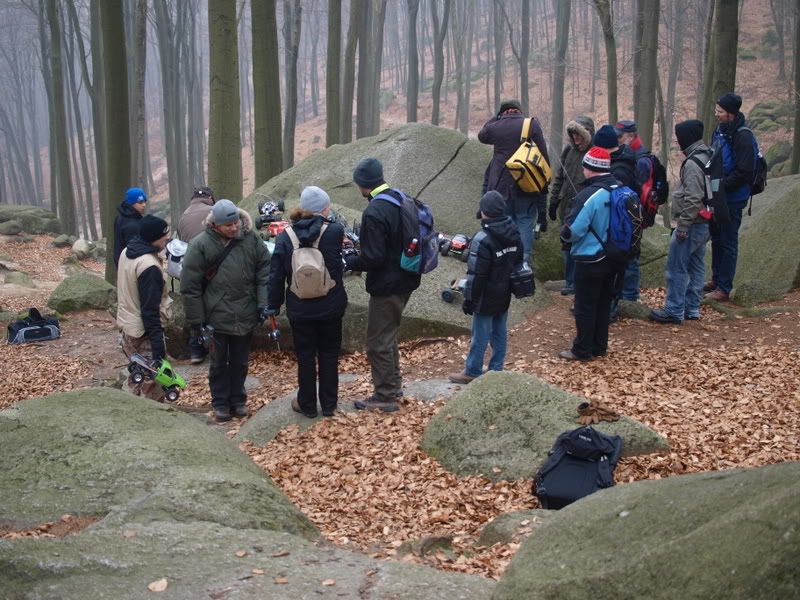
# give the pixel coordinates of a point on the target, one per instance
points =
(731, 534)
(81, 291)
(32, 219)
(82, 248)
(19, 278)
(175, 500)
(507, 526)
(509, 421)
(11, 227)
(62, 241)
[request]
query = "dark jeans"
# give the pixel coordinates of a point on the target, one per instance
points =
(317, 343)
(228, 369)
(383, 336)
(594, 289)
(725, 248)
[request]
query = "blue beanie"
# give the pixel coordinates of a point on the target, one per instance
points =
(606, 137)
(134, 195)
(368, 173)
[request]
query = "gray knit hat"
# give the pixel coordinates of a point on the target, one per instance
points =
(314, 199)
(224, 212)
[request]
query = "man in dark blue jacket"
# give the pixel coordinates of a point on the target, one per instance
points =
(388, 285)
(738, 147)
(316, 322)
(129, 218)
(503, 132)
(493, 253)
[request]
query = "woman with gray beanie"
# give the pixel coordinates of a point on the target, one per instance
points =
(314, 310)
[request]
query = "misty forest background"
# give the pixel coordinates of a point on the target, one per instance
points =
(101, 95)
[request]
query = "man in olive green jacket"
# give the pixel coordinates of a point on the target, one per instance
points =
(224, 284)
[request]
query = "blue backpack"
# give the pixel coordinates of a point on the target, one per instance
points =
(420, 239)
(624, 237)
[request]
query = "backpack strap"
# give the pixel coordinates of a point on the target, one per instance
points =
(292, 237)
(321, 233)
(526, 130)
(389, 198)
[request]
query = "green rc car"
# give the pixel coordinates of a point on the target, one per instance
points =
(159, 371)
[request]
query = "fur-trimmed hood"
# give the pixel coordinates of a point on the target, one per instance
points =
(584, 127)
(247, 222)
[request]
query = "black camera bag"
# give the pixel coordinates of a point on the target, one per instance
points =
(33, 328)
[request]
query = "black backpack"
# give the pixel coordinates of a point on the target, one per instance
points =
(33, 328)
(715, 198)
(580, 462)
(759, 169)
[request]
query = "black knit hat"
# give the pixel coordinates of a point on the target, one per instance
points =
(153, 228)
(368, 173)
(730, 102)
(606, 137)
(493, 204)
(508, 105)
(688, 132)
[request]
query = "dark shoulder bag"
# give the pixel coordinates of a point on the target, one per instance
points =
(211, 271)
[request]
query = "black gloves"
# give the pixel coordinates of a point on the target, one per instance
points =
(267, 312)
(552, 211)
(566, 233)
(467, 307)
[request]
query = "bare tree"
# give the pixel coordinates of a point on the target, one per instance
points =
(795, 165)
(563, 11)
(778, 9)
(292, 19)
(266, 91)
(412, 91)
(224, 139)
(138, 115)
(333, 73)
(607, 23)
(647, 89)
(725, 42)
(439, 33)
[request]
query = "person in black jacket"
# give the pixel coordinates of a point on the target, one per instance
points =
(316, 322)
(493, 254)
(503, 132)
(129, 217)
(389, 286)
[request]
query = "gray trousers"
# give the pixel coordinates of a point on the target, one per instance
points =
(383, 336)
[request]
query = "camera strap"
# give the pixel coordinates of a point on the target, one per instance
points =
(211, 271)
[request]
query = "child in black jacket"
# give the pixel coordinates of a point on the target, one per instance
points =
(493, 254)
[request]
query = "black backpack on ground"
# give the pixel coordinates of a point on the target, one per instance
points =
(33, 328)
(580, 462)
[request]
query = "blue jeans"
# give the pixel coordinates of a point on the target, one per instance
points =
(486, 329)
(725, 248)
(523, 211)
(569, 270)
(630, 285)
(685, 272)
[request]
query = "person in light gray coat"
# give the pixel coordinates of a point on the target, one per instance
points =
(685, 265)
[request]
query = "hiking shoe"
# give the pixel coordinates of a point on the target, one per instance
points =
(373, 403)
(240, 411)
(709, 286)
(661, 316)
(691, 317)
(296, 408)
(222, 414)
(568, 355)
(196, 359)
(463, 378)
(568, 290)
(717, 296)
(328, 413)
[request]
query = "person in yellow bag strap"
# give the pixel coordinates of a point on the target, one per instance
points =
(503, 132)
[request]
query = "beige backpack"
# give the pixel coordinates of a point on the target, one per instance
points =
(310, 276)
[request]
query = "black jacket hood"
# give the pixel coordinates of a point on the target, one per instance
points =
(126, 210)
(307, 229)
(501, 229)
(138, 247)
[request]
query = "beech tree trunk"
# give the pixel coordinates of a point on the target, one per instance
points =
(333, 73)
(412, 89)
(266, 91)
(795, 165)
(607, 23)
(563, 11)
(439, 33)
(292, 15)
(647, 90)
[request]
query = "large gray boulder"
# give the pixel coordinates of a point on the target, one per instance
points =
(10, 228)
(32, 219)
(769, 247)
(82, 291)
(176, 500)
(503, 424)
(732, 534)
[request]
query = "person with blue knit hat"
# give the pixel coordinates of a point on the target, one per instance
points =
(126, 225)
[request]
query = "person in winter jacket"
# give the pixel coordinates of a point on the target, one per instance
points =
(129, 217)
(685, 265)
(738, 147)
(142, 300)
(388, 285)
(494, 252)
(224, 285)
(503, 132)
(192, 221)
(568, 181)
(316, 322)
(595, 276)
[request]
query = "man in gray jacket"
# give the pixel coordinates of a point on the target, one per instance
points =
(685, 266)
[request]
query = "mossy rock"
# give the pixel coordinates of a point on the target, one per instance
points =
(19, 278)
(504, 528)
(32, 219)
(82, 291)
(689, 536)
(778, 153)
(769, 115)
(62, 241)
(503, 424)
(11, 227)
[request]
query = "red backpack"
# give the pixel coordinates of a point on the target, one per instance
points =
(655, 191)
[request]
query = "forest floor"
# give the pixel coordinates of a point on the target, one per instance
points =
(725, 391)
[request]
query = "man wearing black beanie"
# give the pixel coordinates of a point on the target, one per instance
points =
(142, 297)
(739, 148)
(685, 266)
